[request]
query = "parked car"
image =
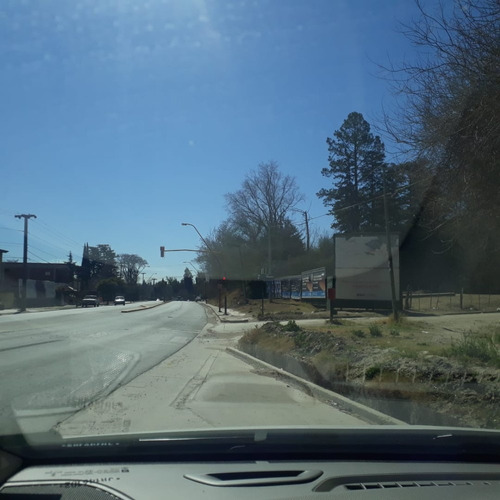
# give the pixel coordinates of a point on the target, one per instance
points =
(119, 300)
(90, 300)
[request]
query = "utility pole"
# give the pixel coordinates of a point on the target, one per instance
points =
(395, 310)
(307, 230)
(269, 251)
(26, 217)
(269, 262)
(306, 221)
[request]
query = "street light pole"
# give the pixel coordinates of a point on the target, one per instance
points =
(214, 254)
(26, 217)
(205, 242)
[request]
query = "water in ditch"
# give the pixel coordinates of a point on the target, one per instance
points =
(396, 403)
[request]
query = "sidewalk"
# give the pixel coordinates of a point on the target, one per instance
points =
(208, 384)
(232, 315)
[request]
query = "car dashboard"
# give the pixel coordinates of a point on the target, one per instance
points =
(350, 480)
(367, 464)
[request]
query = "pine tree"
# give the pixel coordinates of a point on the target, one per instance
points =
(356, 165)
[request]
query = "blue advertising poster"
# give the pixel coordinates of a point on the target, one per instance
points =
(295, 287)
(290, 287)
(314, 284)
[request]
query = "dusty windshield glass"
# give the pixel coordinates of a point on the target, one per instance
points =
(307, 232)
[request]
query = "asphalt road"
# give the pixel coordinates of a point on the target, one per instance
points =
(54, 363)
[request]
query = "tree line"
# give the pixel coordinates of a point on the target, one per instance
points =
(109, 274)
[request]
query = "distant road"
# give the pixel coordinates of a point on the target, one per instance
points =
(53, 363)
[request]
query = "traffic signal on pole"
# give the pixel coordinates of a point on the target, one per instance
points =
(162, 251)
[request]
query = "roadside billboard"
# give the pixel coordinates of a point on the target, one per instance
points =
(314, 284)
(290, 287)
(295, 287)
(273, 288)
(362, 269)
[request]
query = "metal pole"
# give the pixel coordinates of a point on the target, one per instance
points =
(26, 217)
(206, 244)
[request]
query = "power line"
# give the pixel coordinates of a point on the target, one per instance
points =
(364, 202)
(54, 246)
(38, 257)
(58, 234)
(45, 252)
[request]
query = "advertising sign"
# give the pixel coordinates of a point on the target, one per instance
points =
(290, 287)
(295, 287)
(314, 284)
(285, 288)
(362, 267)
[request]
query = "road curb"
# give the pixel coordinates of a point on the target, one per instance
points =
(142, 308)
(221, 318)
(368, 414)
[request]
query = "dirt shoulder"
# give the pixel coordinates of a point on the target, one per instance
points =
(427, 370)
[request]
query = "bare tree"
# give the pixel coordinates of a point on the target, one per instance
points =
(258, 227)
(264, 201)
(448, 119)
(131, 266)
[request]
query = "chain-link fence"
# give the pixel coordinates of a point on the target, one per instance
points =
(451, 301)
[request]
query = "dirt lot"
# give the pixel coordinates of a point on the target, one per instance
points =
(445, 366)
(277, 309)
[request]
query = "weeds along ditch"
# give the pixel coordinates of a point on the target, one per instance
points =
(386, 367)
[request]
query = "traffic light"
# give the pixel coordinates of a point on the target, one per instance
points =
(162, 251)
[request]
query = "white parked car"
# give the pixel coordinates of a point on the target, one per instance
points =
(119, 300)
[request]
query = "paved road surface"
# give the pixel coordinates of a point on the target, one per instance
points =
(52, 363)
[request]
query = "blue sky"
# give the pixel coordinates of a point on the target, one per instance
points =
(120, 119)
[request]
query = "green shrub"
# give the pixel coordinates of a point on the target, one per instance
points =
(375, 330)
(292, 326)
(360, 334)
(394, 332)
(301, 338)
(372, 372)
(476, 347)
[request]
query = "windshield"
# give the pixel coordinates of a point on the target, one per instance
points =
(308, 233)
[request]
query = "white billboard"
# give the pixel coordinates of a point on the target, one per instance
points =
(362, 267)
